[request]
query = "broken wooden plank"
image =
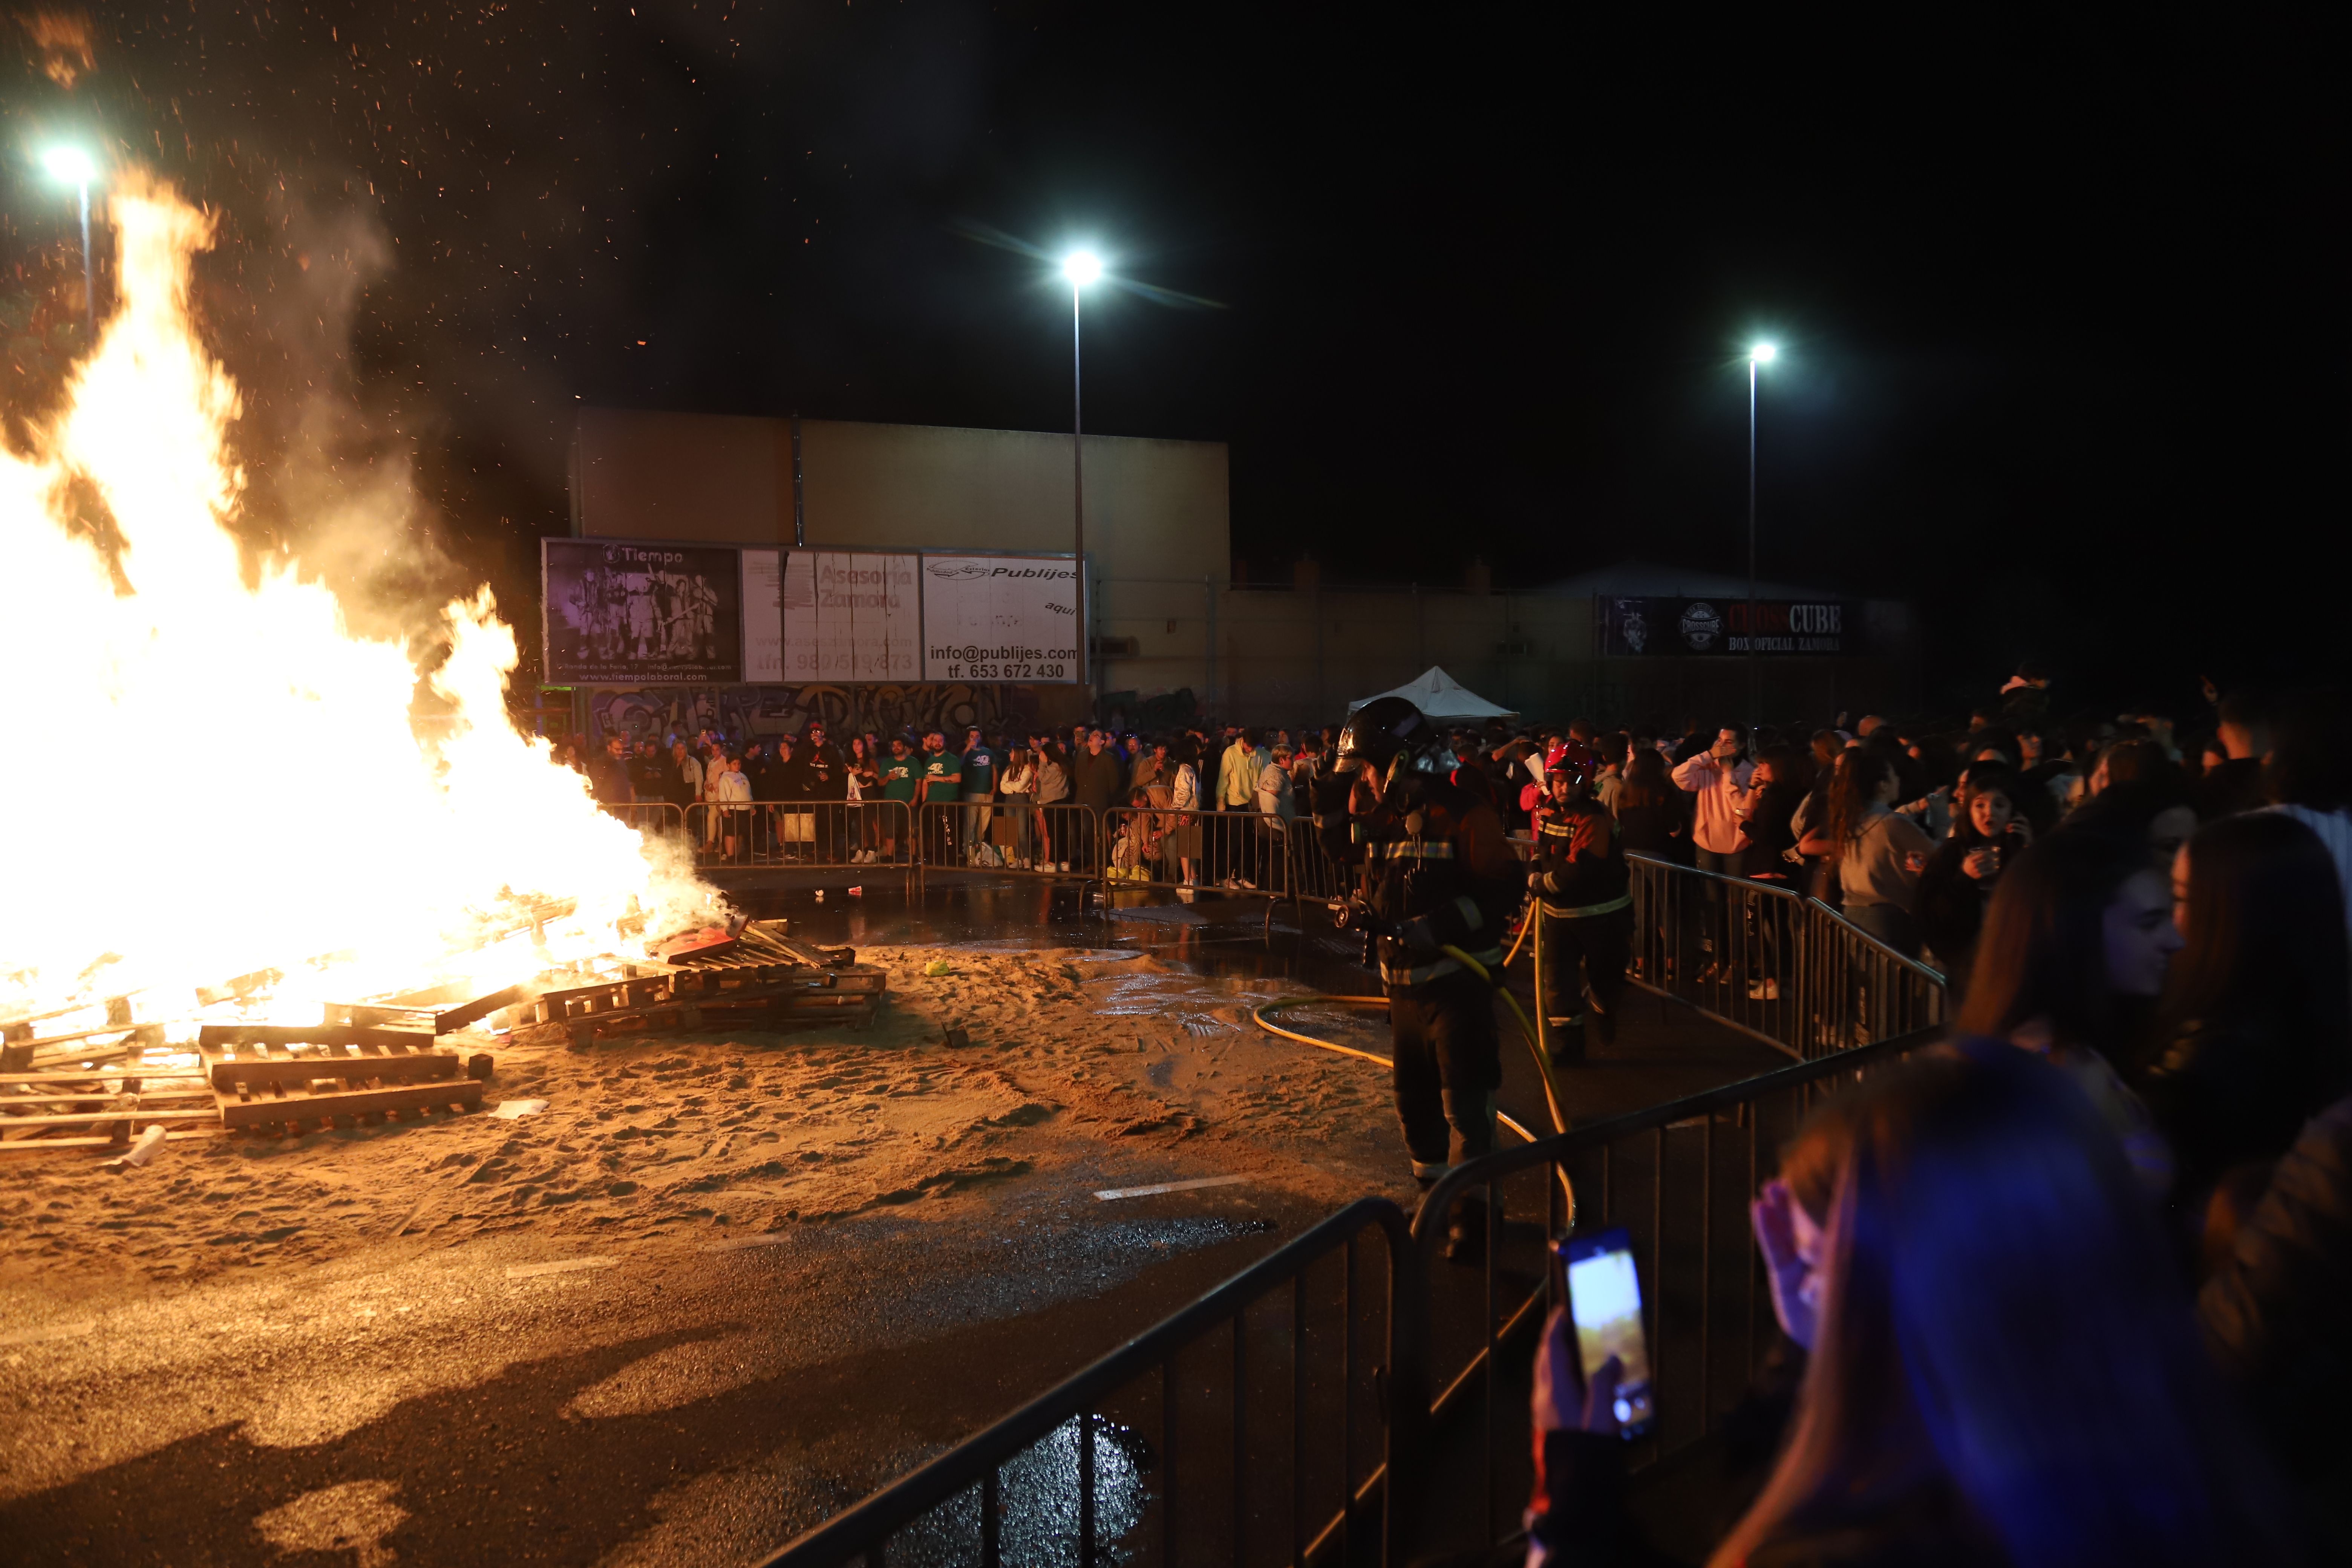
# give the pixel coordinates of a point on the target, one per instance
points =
(263, 1108)
(217, 1035)
(173, 1135)
(425, 1067)
(81, 1119)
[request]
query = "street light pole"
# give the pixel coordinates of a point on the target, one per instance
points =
(1081, 268)
(71, 164)
(1760, 355)
(1078, 481)
(89, 289)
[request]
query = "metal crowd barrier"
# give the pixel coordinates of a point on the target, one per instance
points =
(1057, 840)
(1772, 963)
(1316, 875)
(1247, 1426)
(656, 816)
(802, 832)
(1679, 1177)
(1246, 852)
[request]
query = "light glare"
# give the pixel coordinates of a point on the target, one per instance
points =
(1082, 267)
(70, 165)
(1764, 353)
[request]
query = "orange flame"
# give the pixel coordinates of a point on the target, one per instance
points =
(245, 787)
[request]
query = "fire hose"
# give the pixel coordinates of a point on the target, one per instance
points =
(1259, 1016)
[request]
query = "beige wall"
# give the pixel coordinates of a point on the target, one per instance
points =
(1293, 655)
(1153, 508)
(1158, 540)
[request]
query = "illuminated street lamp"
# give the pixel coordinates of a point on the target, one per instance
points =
(1759, 355)
(74, 168)
(1082, 267)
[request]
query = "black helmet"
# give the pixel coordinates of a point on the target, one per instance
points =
(1381, 728)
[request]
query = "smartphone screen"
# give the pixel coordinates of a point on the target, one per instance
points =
(1605, 1302)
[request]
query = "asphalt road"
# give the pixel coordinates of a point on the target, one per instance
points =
(674, 1402)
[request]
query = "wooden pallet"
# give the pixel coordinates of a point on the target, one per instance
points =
(261, 1082)
(97, 1105)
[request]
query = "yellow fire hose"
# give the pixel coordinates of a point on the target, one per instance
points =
(1259, 1016)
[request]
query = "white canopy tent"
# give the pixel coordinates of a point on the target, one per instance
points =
(1441, 697)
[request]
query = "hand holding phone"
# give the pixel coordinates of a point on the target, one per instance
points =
(1605, 1311)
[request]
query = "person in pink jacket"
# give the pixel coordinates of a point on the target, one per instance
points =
(1719, 777)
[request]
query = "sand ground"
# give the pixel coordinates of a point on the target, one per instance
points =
(1074, 1056)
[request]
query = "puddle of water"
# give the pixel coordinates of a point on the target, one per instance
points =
(1037, 1520)
(1225, 939)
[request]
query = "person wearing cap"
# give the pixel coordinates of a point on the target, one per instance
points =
(820, 775)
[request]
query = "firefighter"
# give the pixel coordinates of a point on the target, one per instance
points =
(1438, 872)
(1581, 889)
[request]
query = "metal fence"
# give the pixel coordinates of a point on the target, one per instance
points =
(1021, 840)
(1771, 962)
(1243, 852)
(1249, 1427)
(656, 816)
(802, 833)
(1679, 1177)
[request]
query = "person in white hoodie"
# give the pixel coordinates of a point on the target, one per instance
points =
(734, 795)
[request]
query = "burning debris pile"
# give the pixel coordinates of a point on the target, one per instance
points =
(399, 1056)
(415, 865)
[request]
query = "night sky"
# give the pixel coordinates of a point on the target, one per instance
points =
(2061, 304)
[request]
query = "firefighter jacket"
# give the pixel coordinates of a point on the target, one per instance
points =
(1580, 866)
(1440, 873)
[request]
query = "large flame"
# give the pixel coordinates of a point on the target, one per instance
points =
(241, 785)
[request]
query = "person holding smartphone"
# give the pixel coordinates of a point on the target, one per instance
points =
(2002, 1371)
(1989, 832)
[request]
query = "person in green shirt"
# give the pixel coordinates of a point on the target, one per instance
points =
(942, 781)
(898, 783)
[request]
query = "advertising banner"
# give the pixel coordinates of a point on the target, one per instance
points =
(851, 616)
(1000, 617)
(1719, 626)
(624, 610)
(763, 616)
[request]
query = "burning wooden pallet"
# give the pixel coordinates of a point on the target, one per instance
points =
(102, 1106)
(749, 975)
(259, 1077)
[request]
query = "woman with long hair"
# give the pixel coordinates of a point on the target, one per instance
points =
(2004, 1368)
(1053, 789)
(1017, 799)
(2257, 1022)
(1182, 842)
(1877, 853)
(861, 781)
(1987, 833)
(2070, 963)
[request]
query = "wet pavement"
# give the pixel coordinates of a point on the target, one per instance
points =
(701, 1402)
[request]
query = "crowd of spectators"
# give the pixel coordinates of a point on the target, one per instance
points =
(736, 798)
(2076, 1286)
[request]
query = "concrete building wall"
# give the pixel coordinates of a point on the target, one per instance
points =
(1278, 656)
(1166, 616)
(1154, 508)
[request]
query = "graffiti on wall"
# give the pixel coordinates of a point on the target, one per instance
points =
(751, 713)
